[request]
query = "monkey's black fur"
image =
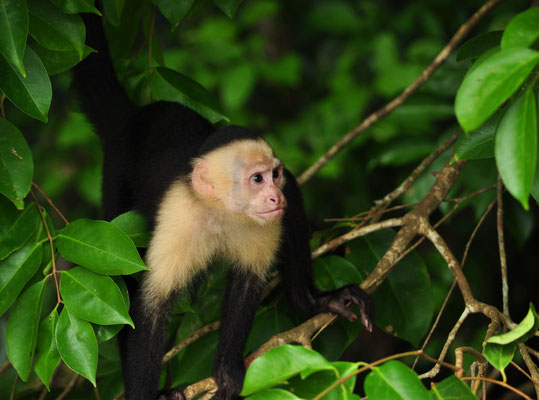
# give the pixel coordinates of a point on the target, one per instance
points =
(145, 150)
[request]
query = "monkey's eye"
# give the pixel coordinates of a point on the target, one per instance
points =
(275, 173)
(258, 178)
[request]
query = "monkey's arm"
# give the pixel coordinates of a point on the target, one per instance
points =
(295, 265)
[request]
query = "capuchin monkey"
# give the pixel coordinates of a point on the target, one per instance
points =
(207, 194)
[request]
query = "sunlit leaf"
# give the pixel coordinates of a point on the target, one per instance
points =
(100, 247)
(516, 147)
(499, 355)
(522, 332)
(522, 30)
(93, 297)
(22, 328)
(279, 364)
(273, 394)
(451, 388)
(394, 380)
(48, 356)
(77, 344)
(489, 85)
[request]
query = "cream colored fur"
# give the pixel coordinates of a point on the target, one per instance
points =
(191, 232)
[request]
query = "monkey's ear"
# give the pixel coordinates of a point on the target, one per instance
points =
(199, 178)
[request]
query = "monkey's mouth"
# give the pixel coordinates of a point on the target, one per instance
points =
(277, 212)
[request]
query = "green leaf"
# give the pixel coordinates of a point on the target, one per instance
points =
(99, 246)
(16, 271)
(516, 147)
(332, 272)
(55, 30)
(167, 84)
(279, 364)
(58, 61)
(13, 31)
(273, 394)
(196, 361)
(19, 231)
(316, 383)
(134, 224)
(268, 322)
(522, 332)
(113, 10)
(489, 85)
(480, 142)
(122, 30)
(478, 45)
(48, 357)
(76, 6)
(93, 297)
(404, 302)
(32, 94)
(22, 327)
(77, 344)
(229, 7)
(174, 10)
(394, 380)
(451, 388)
(499, 355)
(16, 164)
(522, 30)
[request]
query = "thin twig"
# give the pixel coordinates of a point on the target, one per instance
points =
(50, 203)
(417, 172)
(505, 385)
(51, 242)
(2, 107)
(454, 284)
(450, 338)
(399, 100)
(5, 368)
(532, 367)
(501, 246)
(69, 387)
(355, 233)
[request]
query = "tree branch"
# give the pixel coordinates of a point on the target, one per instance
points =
(399, 100)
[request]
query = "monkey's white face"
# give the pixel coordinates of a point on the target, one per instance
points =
(264, 187)
(245, 178)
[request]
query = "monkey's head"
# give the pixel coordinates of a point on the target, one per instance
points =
(243, 178)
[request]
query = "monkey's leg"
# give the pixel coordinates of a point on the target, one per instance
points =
(142, 349)
(239, 307)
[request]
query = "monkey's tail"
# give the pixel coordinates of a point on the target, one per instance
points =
(101, 96)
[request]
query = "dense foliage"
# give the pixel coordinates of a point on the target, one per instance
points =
(304, 73)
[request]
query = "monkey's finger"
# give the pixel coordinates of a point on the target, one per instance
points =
(337, 307)
(360, 298)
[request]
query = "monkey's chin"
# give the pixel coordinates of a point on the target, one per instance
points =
(270, 216)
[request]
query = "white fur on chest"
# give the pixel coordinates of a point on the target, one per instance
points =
(189, 236)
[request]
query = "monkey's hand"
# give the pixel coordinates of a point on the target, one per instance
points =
(172, 394)
(336, 301)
